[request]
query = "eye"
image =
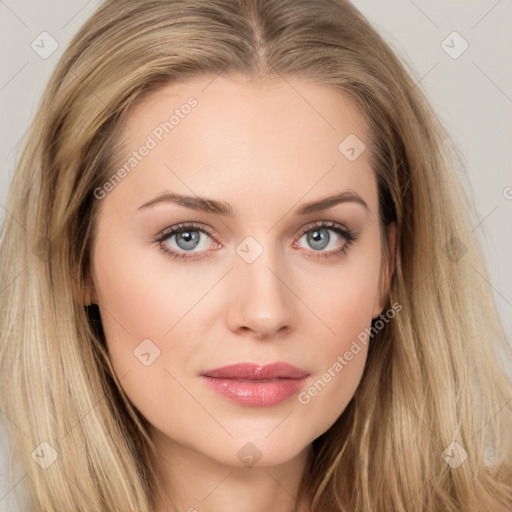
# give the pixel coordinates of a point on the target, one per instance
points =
(180, 241)
(190, 241)
(318, 237)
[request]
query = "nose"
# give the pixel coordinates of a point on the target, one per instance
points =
(261, 300)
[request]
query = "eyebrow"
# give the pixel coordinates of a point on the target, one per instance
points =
(222, 208)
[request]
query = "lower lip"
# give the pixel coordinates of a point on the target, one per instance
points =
(256, 393)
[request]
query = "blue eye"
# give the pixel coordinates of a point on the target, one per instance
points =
(318, 238)
(187, 237)
(180, 241)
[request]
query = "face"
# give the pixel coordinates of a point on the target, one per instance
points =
(210, 252)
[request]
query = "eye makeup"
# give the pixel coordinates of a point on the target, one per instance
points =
(316, 229)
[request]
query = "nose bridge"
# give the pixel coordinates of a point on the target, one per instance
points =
(261, 300)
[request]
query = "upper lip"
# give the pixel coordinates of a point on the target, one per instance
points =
(252, 371)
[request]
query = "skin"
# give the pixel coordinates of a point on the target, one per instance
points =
(265, 149)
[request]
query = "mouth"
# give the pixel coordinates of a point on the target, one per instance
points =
(254, 385)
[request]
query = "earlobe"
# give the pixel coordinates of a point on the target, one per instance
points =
(392, 249)
(89, 292)
(387, 270)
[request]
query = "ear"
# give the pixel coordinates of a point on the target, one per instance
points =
(89, 295)
(386, 271)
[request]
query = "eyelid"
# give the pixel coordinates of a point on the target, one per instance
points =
(348, 234)
(170, 230)
(176, 228)
(324, 224)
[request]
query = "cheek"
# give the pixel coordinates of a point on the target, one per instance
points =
(139, 296)
(344, 306)
(142, 311)
(142, 306)
(328, 393)
(343, 300)
(343, 356)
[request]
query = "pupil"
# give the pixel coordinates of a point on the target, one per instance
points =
(187, 239)
(319, 238)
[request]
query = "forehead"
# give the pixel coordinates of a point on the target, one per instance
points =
(230, 137)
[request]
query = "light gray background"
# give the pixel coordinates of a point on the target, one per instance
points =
(471, 94)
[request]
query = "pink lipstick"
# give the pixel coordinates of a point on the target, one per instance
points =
(255, 385)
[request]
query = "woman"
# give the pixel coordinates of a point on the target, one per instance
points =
(241, 275)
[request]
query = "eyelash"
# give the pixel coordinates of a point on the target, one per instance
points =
(349, 236)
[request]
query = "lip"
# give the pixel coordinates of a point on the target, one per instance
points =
(256, 385)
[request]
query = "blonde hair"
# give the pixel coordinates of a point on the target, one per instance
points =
(432, 376)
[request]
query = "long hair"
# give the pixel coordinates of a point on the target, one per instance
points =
(433, 389)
